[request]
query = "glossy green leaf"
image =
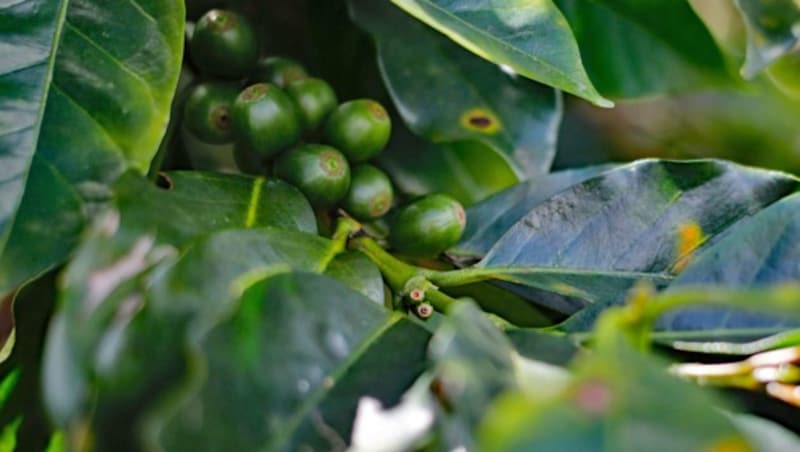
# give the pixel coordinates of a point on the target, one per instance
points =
(287, 369)
(469, 171)
(359, 273)
(29, 41)
(121, 332)
(41, 232)
(532, 38)
(445, 93)
(642, 221)
(772, 31)
(195, 203)
(616, 402)
(86, 86)
(633, 48)
(491, 218)
(236, 258)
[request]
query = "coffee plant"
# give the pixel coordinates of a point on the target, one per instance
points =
(399, 225)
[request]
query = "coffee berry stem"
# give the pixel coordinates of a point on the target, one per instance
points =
(345, 228)
(404, 279)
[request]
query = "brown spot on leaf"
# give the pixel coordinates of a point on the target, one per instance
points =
(480, 120)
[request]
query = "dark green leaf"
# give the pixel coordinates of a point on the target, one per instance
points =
(761, 251)
(29, 41)
(86, 86)
(41, 232)
(122, 329)
(285, 372)
(445, 94)
(196, 203)
(633, 48)
(359, 273)
(771, 31)
(643, 221)
(532, 38)
(236, 258)
(467, 170)
(490, 219)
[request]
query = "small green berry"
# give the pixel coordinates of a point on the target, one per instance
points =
(277, 70)
(320, 172)
(370, 195)
(265, 119)
(207, 112)
(315, 99)
(360, 129)
(427, 226)
(223, 44)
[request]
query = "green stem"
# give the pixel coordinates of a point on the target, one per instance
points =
(439, 300)
(396, 272)
(462, 277)
(345, 228)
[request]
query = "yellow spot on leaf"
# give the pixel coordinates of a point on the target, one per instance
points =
(730, 444)
(481, 120)
(690, 237)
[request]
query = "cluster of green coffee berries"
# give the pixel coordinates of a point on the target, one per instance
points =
(279, 108)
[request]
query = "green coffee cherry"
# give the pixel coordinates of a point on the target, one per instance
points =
(223, 44)
(278, 71)
(315, 99)
(370, 195)
(320, 172)
(207, 113)
(265, 119)
(427, 226)
(360, 129)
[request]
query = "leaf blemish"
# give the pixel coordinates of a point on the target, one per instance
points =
(690, 237)
(480, 120)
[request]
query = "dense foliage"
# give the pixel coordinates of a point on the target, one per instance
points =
(375, 225)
